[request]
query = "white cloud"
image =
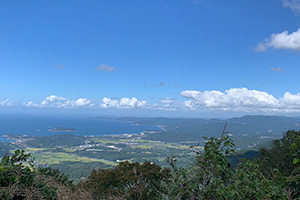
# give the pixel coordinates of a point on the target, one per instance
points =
(292, 4)
(291, 100)
(106, 68)
(83, 102)
(241, 100)
(283, 40)
(167, 104)
(124, 103)
(53, 101)
(31, 104)
(6, 103)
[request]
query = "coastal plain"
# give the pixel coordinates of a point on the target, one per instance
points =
(77, 155)
(82, 154)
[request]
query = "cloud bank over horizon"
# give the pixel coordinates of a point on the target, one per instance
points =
(242, 100)
(6, 103)
(53, 101)
(233, 100)
(124, 103)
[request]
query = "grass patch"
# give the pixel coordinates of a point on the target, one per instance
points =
(56, 158)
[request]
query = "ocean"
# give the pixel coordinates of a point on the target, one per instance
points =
(40, 126)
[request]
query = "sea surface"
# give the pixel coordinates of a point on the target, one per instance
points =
(40, 126)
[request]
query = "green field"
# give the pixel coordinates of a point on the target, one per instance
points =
(56, 158)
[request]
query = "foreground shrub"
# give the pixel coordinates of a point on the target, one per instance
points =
(275, 174)
(20, 179)
(129, 181)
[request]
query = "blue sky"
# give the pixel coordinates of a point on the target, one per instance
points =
(167, 57)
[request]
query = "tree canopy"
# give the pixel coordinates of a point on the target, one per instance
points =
(274, 174)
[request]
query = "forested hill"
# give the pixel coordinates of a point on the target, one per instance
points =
(247, 130)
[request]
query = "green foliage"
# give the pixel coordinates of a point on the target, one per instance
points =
(20, 179)
(129, 181)
(275, 174)
(80, 170)
(213, 177)
(248, 182)
(280, 163)
(210, 174)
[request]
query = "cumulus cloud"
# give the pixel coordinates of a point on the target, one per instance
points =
(30, 104)
(124, 103)
(292, 4)
(283, 40)
(241, 100)
(6, 103)
(276, 69)
(106, 68)
(53, 101)
(291, 100)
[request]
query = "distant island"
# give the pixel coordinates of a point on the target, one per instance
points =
(62, 129)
